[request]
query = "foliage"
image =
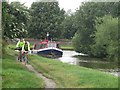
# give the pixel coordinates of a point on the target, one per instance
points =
(106, 38)
(76, 43)
(4, 45)
(68, 27)
(14, 19)
(45, 17)
(86, 18)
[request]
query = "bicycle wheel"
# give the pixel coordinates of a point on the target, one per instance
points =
(17, 58)
(25, 59)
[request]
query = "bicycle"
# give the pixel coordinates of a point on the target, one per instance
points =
(25, 59)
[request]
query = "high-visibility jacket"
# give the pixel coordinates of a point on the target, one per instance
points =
(26, 47)
(20, 44)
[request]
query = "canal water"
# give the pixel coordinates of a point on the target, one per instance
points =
(80, 59)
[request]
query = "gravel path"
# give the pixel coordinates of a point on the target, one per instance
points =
(49, 83)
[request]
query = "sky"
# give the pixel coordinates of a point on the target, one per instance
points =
(66, 4)
(70, 4)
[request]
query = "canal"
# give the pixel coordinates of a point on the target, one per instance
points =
(80, 59)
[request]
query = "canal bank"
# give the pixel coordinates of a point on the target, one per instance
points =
(72, 76)
(69, 76)
(80, 59)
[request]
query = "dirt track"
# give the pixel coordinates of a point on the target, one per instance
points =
(49, 83)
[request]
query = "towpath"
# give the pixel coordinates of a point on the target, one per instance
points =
(48, 82)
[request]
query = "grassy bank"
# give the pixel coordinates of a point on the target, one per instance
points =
(70, 76)
(67, 48)
(16, 75)
(66, 44)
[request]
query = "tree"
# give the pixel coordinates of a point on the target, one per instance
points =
(45, 17)
(106, 38)
(14, 19)
(76, 40)
(68, 27)
(86, 18)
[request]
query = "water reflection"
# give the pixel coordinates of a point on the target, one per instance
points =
(75, 58)
(68, 57)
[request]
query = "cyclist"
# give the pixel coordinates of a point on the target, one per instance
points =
(19, 46)
(25, 50)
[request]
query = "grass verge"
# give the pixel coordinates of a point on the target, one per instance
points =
(16, 75)
(71, 76)
(67, 48)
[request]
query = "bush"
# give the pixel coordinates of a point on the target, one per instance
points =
(106, 38)
(4, 44)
